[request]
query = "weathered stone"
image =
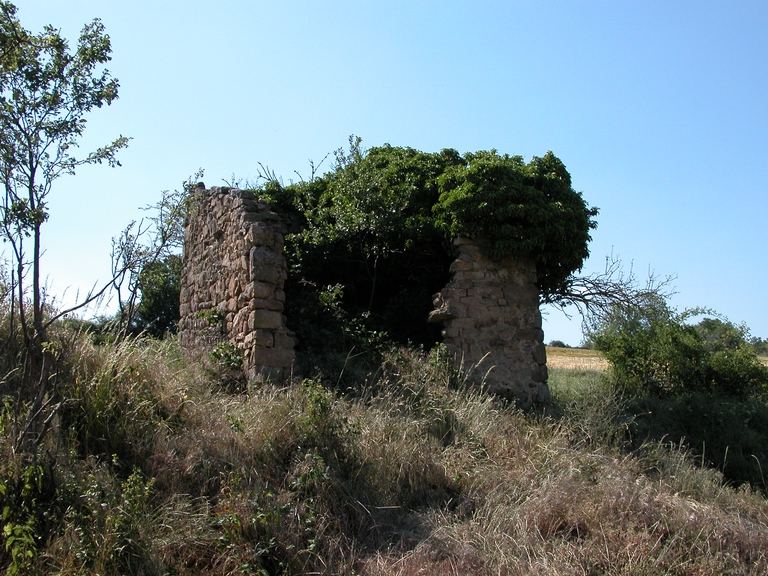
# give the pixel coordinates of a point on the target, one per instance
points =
(276, 357)
(259, 290)
(459, 265)
(233, 263)
(265, 319)
(494, 326)
(266, 304)
(283, 340)
(462, 322)
(266, 265)
(443, 314)
(263, 338)
(234, 268)
(260, 234)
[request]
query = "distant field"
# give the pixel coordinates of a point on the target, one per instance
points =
(575, 359)
(580, 359)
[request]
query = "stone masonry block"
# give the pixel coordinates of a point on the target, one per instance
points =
(283, 340)
(266, 304)
(265, 319)
(260, 234)
(500, 312)
(266, 265)
(276, 357)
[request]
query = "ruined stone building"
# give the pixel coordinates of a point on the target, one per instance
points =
(232, 281)
(232, 292)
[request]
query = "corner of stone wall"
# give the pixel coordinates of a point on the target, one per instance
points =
(233, 275)
(492, 323)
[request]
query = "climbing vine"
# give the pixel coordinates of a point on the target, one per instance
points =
(379, 226)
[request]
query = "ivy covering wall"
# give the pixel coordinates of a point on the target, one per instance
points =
(372, 241)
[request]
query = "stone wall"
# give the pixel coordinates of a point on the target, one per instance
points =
(232, 281)
(490, 311)
(232, 292)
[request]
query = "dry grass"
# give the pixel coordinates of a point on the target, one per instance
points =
(575, 359)
(418, 475)
(538, 504)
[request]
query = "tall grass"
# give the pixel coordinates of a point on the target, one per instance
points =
(153, 467)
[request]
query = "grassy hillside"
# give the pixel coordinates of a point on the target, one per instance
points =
(154, 466)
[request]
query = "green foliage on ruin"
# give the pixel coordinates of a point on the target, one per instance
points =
(521, 209)
(369, 254)
(379, 225)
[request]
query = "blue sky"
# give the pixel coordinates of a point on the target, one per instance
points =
(658, 109)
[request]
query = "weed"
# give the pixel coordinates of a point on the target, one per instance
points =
(226, 367)
(21, 492)
(228, 356)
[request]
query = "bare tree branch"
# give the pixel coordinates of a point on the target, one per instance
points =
(595, 295)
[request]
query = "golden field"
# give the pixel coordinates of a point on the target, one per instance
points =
(575, 359)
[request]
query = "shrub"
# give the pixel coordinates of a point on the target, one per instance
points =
(226, 367)
(22, 503)
(760, 345)
(521, 209)
(653, 349)
(160, 285)
(370, 235)
(727, 433)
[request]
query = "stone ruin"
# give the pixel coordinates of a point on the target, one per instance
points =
(492, 324)
(232, 293)
(232, 280)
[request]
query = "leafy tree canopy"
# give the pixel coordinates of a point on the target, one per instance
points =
(158, 310)
(521, 209)
(369, 237)
(46, 92)
(391, 199)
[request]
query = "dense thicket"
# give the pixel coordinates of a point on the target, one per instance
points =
(370, 254)
(375, 242)
(160, 285)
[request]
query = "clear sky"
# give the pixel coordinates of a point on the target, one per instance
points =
(659, 110)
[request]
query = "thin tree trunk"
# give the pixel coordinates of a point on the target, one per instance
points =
(37, 304)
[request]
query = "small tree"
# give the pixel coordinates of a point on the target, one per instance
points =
(160, 286)
(146, 266)
(46, 91)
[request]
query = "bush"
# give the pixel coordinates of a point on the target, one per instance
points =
(521, 209)
(369, 237)
(653, 349)
(722, 432)
(760, 345)
(160, 285)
